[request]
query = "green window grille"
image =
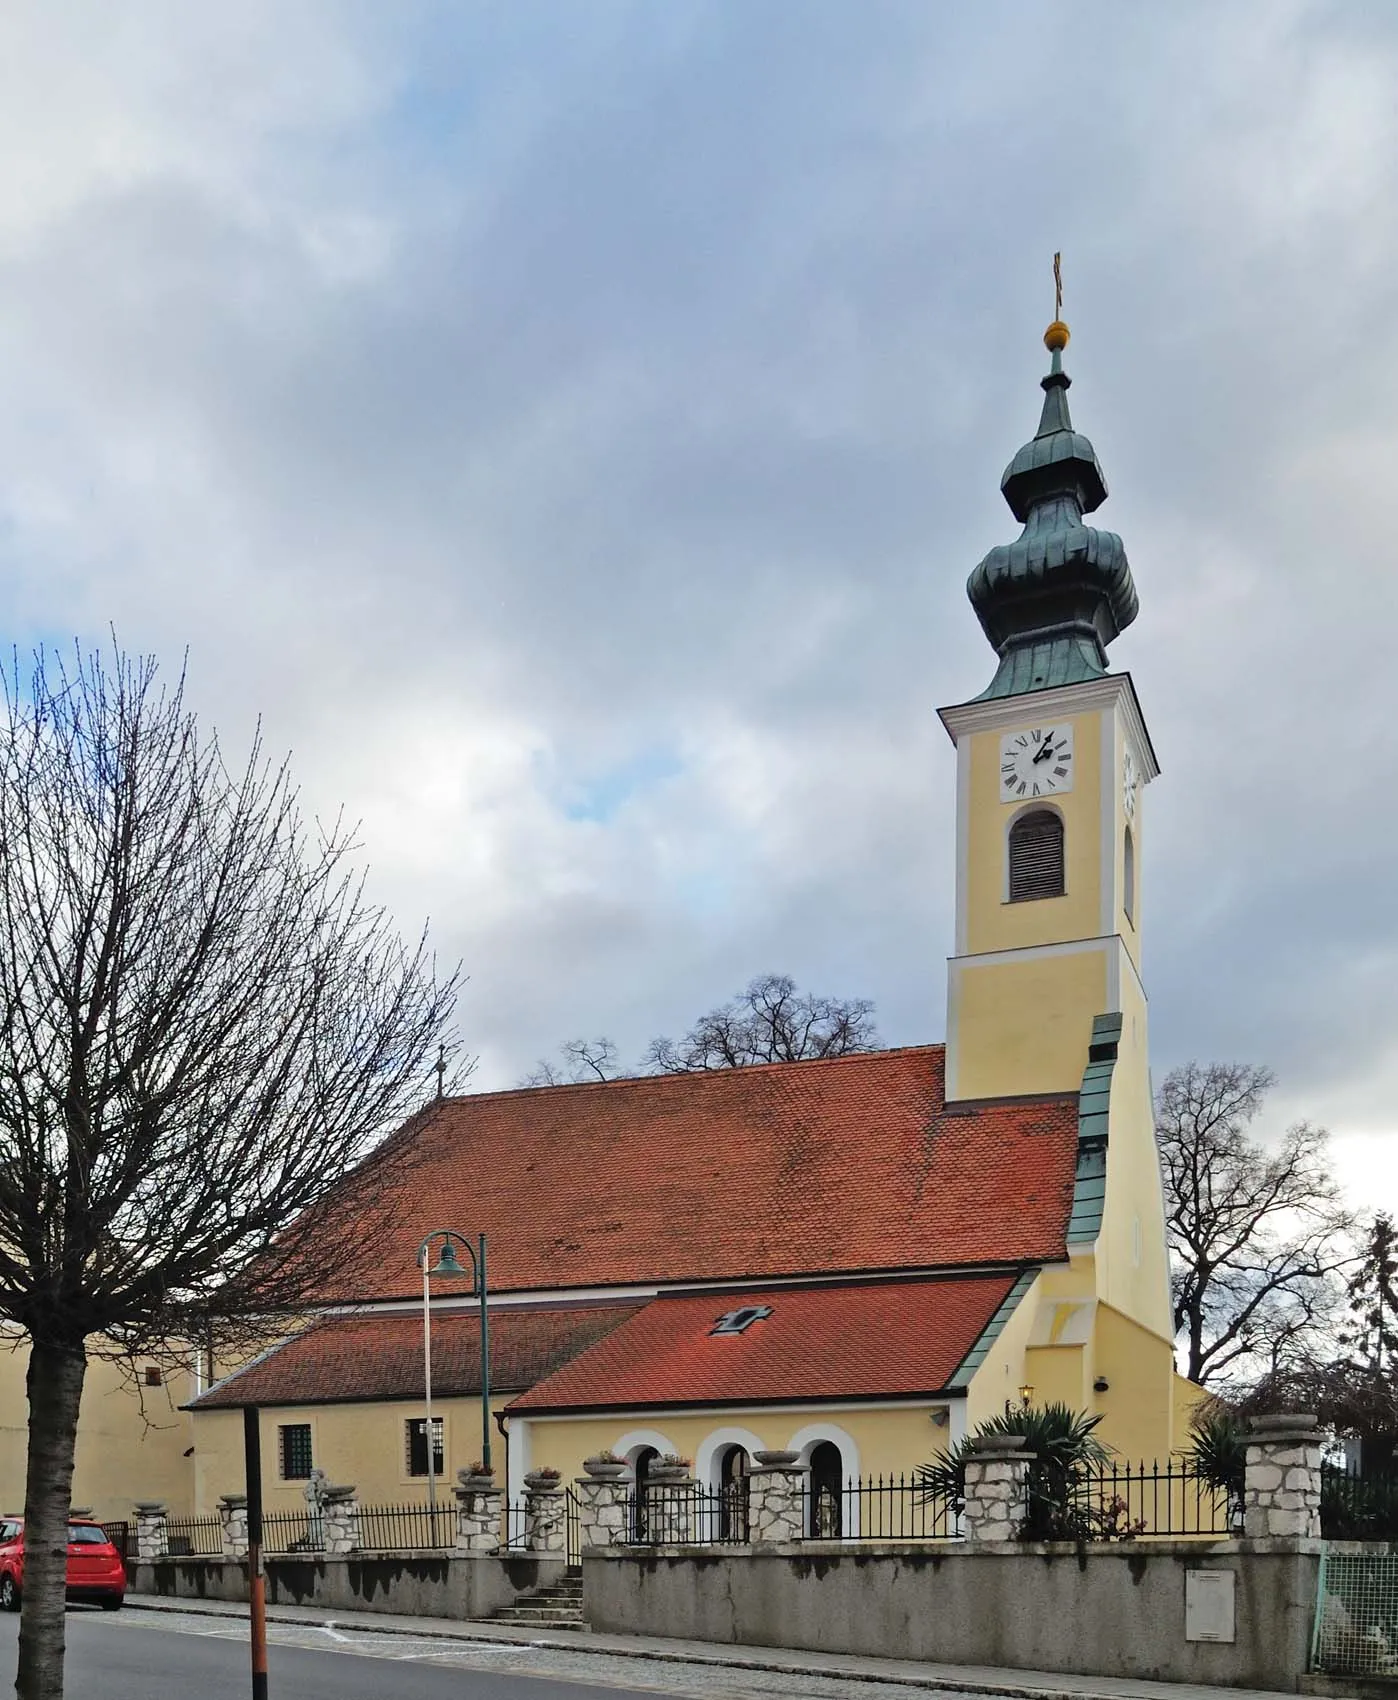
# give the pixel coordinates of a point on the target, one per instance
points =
(417, 1447)
(294, 1446)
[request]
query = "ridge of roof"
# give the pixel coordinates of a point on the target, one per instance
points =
(623, 1080)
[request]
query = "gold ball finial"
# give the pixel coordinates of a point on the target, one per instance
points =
(1056, 337)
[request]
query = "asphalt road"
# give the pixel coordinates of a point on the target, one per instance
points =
(121, 1656)
(136, 1655)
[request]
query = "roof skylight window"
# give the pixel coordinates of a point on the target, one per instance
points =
(735, 1321)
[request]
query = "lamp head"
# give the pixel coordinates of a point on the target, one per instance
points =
(448, 1263)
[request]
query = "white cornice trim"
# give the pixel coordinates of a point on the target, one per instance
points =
(1113, 690)
(1108, 942)
(666, 1413)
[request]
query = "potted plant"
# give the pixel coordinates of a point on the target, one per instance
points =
(605, 1466)
(543, 1481)
(476, 1478)
(669, 1467)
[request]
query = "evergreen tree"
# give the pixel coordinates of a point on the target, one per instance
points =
(1372, 1337)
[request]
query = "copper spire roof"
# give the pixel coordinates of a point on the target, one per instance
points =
(1051, 601)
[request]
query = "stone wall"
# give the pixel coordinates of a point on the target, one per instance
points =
(1110, 1610)
(418, 1585)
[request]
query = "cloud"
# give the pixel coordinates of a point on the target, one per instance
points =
(570, 431)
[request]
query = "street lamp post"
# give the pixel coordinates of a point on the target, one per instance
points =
(449, 1264)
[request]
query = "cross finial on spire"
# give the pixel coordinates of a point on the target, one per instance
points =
(1056, 336)
(441, 1070)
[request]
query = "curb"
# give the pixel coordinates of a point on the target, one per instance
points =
(579, 1642)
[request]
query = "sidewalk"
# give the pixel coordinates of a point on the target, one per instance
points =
(905, 1673)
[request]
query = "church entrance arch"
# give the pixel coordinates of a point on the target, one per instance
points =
(825, 1502)
(733, 1467)
(641, 1461)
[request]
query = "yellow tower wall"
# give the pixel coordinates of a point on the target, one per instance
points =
(1020, 1024)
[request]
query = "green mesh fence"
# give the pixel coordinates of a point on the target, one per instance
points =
(1356, 1619)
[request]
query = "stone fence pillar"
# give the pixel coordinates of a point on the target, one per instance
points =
(776, 1497)
(152, 1539)
(670, 1496)
(341, 1519)
(477, 1513)
(997, 1488)
(233, 1514)
(543, 1514)
(1282, 1477)
(604, 1497)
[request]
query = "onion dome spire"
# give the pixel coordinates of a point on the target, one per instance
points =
(1051, 601)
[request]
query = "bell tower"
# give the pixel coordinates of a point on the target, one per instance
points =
(1044, 989)
(1052, 760)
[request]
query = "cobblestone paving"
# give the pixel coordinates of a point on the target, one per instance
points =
(602, 1670)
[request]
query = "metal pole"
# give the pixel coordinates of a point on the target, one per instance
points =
(427, 1383)
(485, 1359)
(257, 1581)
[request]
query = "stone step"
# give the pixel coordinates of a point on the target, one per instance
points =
(549, 1619)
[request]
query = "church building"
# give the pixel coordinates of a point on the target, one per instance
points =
(857, 1259)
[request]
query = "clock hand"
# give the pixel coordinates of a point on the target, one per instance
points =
(1044, 751)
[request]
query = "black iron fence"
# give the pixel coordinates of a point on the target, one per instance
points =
(119, 1534)
(1124, 1501)
(686, 1514)
(1358, 1507)
(572, 1529)
(406, 1528)
(194, 1537)
(1114, 1501)
(291, 1531)
(515, 1525)
(879, 1508)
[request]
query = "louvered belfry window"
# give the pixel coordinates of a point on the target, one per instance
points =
(1036, 856)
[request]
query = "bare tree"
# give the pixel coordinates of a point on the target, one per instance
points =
(579, 1060)
(768, 1022)
(1258, 1232)
(204, 1028)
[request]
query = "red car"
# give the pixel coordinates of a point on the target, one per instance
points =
(95, 1570)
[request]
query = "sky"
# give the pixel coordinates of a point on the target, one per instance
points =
(569, 427)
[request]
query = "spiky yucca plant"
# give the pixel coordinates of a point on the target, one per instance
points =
(1066, 1451)
(1218, 1446)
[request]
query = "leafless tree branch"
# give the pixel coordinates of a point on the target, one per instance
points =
(205, 1028)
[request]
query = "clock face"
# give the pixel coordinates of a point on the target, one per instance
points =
(1037, 762)
(1130, 784)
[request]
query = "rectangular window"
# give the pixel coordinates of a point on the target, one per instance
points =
(417, 1446)
(294, 1448)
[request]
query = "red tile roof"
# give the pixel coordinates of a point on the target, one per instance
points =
(380, 1357)
(851, 1163)
(879, 1339)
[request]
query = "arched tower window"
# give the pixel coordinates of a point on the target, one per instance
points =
(1036, 856)
(1128, 877)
